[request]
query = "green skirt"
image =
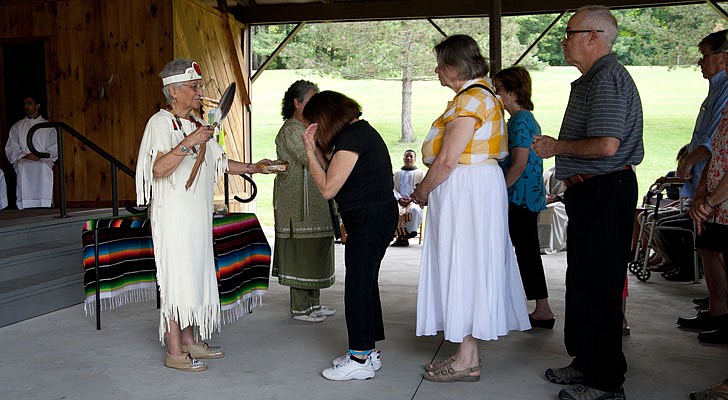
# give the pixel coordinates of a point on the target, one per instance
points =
(304, 263)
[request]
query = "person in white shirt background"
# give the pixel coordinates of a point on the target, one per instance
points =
(410, 214)
(35, 175)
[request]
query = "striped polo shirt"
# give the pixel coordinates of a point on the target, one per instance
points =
(603, 102)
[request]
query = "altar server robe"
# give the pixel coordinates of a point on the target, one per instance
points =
(35, 178)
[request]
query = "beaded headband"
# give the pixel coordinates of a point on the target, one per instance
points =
(191, 74)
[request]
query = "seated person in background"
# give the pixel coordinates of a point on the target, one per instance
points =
(554, 187)
(35, 175)
(410, 214)
(669, 208)
(552, 221)
(3, 191)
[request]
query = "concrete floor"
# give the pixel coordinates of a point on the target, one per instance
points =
(270, 356)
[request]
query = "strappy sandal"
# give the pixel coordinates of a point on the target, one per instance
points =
(439, 364)
(710, 394)
(448, 374)
(443, 364)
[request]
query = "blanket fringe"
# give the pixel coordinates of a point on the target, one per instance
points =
(116, 299)
(233, 312)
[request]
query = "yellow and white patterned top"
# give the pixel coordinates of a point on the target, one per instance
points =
(490, 139)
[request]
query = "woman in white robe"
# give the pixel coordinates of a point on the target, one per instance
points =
(177, 168)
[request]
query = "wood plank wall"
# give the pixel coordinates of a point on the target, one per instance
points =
(103, 61)
(200, 34)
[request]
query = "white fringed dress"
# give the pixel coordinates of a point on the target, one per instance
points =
(181, 225)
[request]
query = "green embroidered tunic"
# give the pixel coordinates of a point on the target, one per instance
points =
(303, 254)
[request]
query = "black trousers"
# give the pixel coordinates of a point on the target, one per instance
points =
(601, 212)
(523, 227)
(369, 230)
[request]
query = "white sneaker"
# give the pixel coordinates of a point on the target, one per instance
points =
(376, 357)
(349, 369)
(326, 310)
(312, 317)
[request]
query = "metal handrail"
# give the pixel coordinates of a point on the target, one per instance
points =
(114, 162)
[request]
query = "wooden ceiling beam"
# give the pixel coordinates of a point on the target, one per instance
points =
(355, 10)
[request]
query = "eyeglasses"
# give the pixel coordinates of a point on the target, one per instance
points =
(703, 56)
(196, 87)
(570, 32)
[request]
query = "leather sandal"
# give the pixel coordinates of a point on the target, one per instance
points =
(434, 366)
(448, 374)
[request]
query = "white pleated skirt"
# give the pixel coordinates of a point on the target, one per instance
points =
(469, 281)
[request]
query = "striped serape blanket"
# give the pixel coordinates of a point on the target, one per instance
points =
(127, 273)
(242, 260)
(126, 262)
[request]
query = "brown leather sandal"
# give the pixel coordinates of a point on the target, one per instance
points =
(435, 365)
(448, 374)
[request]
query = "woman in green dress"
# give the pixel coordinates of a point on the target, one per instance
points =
(303, 257)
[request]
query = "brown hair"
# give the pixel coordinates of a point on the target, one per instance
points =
(462, 53)
(518, 81)
(332, 111)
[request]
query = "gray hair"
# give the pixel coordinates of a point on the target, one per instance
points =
(716, 40)
(600, 18)
(298, 90)
(462, 53)
(174, 67)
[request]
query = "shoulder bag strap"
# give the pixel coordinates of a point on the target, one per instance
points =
(477, 85)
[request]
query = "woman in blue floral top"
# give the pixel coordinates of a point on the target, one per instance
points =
(526, 193)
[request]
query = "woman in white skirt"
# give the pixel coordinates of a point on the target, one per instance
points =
(469, 286)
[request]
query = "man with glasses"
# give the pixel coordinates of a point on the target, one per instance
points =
(679, 242)
(599, 142)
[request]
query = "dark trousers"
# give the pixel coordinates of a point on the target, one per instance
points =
(523, 227)
(369, 232)
(601, 212)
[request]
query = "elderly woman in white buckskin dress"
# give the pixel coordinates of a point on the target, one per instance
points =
(176, 171)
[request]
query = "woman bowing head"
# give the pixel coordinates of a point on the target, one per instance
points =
(350, 163)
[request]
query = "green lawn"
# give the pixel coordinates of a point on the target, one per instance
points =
(670, 98)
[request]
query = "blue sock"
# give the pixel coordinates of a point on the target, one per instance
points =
(355, 353)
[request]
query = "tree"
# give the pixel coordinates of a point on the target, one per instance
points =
(647, 36)
(664, 35)
(399, 50)
(370, 50)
